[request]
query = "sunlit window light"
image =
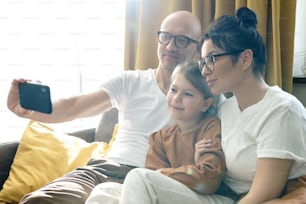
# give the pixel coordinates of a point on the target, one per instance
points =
(70, 45)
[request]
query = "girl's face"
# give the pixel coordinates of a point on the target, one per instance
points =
(185, 102)
(226, 75)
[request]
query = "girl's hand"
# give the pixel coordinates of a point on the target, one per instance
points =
(201, 147)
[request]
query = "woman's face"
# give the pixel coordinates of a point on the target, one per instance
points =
(226, 75)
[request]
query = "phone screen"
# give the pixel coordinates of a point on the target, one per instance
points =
(35, 97)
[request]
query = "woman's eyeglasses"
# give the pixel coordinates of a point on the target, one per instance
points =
(209, 61)
(180, 41)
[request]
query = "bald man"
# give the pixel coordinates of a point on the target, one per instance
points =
(139, 96)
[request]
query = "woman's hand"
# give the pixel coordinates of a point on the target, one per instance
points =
(201, 147)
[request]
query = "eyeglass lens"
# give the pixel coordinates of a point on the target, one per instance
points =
(179, 40)
(208, 62)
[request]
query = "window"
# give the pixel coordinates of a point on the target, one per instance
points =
(300, 40)
(70, 45)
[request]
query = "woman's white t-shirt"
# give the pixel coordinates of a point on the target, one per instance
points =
(275, 127)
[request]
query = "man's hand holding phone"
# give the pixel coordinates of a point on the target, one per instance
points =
(34, 96)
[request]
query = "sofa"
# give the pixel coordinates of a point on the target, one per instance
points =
(102, 133)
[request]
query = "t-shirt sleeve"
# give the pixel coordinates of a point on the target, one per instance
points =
(282, 134)
(114, 87)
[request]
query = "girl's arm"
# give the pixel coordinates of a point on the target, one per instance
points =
(205, 175)
(156, 156)
(269, 181)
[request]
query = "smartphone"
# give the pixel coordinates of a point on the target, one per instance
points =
(35, 96)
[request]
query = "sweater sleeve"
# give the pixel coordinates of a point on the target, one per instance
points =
(156, 157)
(205, 176)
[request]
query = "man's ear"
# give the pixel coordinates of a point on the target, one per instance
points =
(207, 103)
(196, 55)
(246, 58)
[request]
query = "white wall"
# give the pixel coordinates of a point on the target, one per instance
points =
(70, 45)
(300, 38)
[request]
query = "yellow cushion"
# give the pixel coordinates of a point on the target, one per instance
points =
(43, 155)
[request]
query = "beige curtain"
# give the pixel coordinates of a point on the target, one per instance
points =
(276, 24)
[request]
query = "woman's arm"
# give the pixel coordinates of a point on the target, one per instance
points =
(269, 181)
(200, 147)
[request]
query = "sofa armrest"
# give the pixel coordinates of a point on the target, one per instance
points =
(7, 152)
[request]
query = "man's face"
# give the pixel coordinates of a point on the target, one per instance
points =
(170, 55)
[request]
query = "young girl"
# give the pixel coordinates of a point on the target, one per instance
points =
(175, 168)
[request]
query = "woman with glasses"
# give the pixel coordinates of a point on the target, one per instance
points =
(263, 127)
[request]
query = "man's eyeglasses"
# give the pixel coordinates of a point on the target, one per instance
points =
(209, 61)
(180, 41)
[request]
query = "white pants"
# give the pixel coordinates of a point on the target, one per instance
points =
(151, 187)
(106, 193)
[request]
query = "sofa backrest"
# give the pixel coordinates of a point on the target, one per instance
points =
(105, 129)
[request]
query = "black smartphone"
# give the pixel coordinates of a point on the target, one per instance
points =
(35, 96)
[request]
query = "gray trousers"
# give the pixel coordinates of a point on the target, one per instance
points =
(76, 186)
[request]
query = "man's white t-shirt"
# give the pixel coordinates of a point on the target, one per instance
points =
(275, 127)
(142, 110)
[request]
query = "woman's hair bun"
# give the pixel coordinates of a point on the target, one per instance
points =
(247, 17)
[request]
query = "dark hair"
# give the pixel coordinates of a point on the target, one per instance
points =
(231, 34)
(192, 73)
